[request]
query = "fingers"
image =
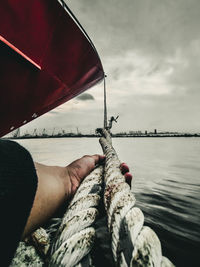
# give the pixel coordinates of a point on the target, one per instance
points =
(124, 168)
(128, 177)
(125, 171)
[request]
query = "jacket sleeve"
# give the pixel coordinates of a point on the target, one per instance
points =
(18, 184)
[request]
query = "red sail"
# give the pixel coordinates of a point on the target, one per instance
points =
(46, 59)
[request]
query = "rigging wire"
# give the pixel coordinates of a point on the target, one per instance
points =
(105, 104)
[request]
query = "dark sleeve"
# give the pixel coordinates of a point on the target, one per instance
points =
(18, 184)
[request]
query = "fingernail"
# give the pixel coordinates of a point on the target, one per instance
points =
(128, 176)
(124, 168)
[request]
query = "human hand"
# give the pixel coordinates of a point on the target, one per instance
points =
(57, 184)
(79, 169)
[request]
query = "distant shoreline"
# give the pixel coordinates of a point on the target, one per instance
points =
(97, 136)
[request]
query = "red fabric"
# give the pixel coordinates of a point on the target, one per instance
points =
(42, 31)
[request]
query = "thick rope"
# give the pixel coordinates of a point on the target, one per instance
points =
(76, 235)
(132, 243)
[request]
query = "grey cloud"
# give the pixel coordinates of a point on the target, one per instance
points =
(116, 73)
(85, 97)
(152, 26)
(53, 112)
(153, 70)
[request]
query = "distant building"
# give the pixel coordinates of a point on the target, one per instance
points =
(145, 132)
(155, 131)
(134, 132)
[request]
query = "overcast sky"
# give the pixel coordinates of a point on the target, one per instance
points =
(150, 50)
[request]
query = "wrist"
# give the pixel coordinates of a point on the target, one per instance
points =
(64, 177)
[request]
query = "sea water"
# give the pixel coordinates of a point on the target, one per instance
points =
(166, 183)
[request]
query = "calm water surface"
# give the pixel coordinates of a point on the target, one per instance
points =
(166, 184)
